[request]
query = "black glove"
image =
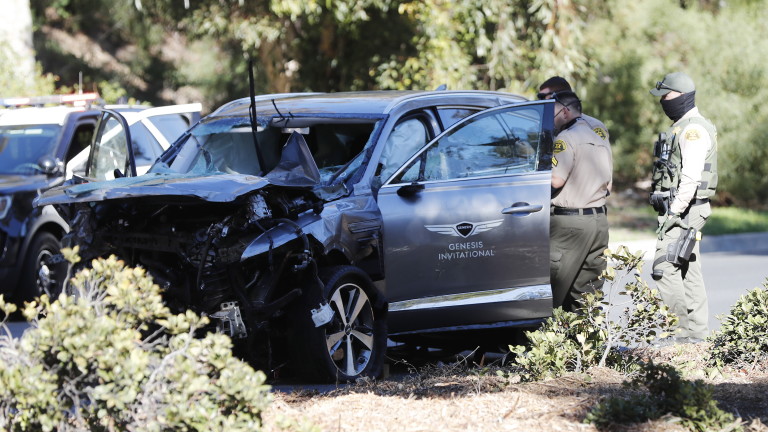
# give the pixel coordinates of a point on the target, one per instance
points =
(670, 222)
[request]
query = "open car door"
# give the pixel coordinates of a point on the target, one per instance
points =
(150, 131)
(466, 224)
(111, 156)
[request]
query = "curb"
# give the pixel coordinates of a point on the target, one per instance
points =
(709, 244)
(735, 242)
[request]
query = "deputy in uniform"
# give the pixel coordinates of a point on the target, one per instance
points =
(559, 84)
(684, 179)
(582, 167)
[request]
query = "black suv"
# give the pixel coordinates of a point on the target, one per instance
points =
(35, 145)
(40, 147)
(312, 227)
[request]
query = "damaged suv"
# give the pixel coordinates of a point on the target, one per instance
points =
(313, 227)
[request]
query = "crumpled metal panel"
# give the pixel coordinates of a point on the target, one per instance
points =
(296, 169)
(280, 235)
(214, 188)
(350, 225)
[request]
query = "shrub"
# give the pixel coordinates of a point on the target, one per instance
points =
(743, 335)
(112, 357)
(667, 394)
(571, 341)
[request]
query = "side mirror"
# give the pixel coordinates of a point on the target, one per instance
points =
(410, 190)
(50, 166)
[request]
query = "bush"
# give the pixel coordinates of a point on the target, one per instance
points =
(743, 336)
(668, 394)
(571, 341)
(112, 357)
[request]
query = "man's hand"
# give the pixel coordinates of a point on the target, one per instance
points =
(670, 222)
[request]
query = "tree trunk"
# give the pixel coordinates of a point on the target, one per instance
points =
(16, 42)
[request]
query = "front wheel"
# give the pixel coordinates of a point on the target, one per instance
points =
(39, 274)
(349, 339)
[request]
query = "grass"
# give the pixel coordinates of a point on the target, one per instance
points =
(636, 222)
(731, 220)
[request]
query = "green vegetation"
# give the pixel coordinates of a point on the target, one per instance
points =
(571, 341)
(113, 358)
(667, 394)
(11, 84)
(731, 220)
(630, 223)
(743, 336)
(310, 45)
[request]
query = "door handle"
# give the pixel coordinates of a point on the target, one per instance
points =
(521, 207)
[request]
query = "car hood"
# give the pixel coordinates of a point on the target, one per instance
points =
(296, 169)
(14, 183)
(216, 188)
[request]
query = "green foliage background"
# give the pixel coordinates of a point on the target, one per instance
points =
(612, 51)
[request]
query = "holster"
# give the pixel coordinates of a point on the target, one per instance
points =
(680, 251)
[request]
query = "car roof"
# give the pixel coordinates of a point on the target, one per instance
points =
(366, 102)
(36, 115)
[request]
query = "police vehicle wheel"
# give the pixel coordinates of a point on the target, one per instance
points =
(39, 275)
(347, 339)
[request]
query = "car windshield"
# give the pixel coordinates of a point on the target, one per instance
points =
(21, 146)
(227, 145)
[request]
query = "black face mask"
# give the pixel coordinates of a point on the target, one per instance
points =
(676, 108)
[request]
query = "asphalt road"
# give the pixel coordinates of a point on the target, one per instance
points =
(732, 265)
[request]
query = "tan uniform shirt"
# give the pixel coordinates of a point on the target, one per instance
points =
(694, 146)
(597, 126)
(584, 160)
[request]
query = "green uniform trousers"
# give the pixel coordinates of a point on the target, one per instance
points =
(576, 256)
(682, 286)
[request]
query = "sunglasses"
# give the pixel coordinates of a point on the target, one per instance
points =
(542, 95)
(557, 99)
(660, 85)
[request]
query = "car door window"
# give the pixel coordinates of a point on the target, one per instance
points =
(499, 142)
(404, 141)
(110, 150)
(451, 115)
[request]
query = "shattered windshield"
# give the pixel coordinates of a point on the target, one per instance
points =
(227, 146)
(22, 146)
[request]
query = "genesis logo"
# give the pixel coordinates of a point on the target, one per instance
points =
(464, 229)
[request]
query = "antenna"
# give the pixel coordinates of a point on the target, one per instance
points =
(252, 113)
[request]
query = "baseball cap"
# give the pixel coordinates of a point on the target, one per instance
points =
(675, 81)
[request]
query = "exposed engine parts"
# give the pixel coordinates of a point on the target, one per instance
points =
(230, 321)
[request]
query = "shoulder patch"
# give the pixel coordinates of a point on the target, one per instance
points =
(554, 161)
(600, 132)
(559, 146)
(692, 135)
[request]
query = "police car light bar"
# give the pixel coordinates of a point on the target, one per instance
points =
(78, 99)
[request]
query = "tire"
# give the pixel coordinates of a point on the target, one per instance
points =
(353, 343)
(39, 276)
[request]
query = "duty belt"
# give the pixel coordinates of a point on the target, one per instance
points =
(562, 211)
(700, 201)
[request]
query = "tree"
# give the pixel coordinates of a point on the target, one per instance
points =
(724, 61)
(19, 74)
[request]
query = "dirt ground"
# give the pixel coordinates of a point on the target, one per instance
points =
(457, 397)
